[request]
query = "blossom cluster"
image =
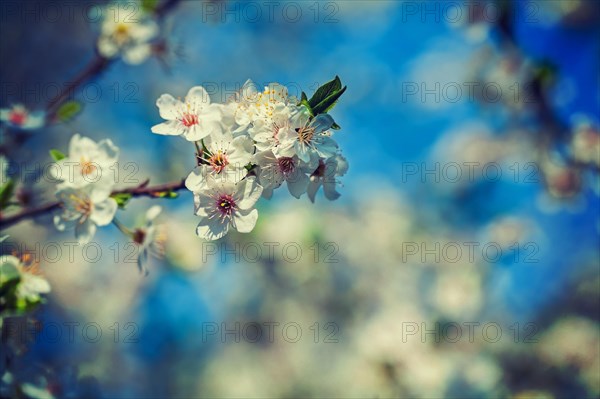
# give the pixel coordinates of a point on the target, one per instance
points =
(252, 145)
(87, 197)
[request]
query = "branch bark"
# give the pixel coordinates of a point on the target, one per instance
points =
(143, 190)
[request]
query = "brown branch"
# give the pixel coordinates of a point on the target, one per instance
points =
(97, 65)
(141, 190)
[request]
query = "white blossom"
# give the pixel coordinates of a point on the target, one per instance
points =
(254, 107)
(223, 204)
(30, 284)
(307, 138)
(84, 209)
(225, 158)
(87, 163)
(325, 175)
(195, 118)
(150, 238)
(273, 171)
(126, 33)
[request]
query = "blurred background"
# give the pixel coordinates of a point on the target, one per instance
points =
(462, 259)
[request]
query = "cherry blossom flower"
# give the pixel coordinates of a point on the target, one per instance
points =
(307, 137)
(265, 130)
(88, 162)
(275, 170)
(225, 158)
(253, 106)
(150, 238)
(84, 209)
(325, 175)
(223, 204)
(20, 117)
(195, 118)
(127, 35)
(31, 284)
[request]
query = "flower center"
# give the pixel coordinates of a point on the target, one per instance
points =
(286, 165)
(121, 33)
(17, 117)
(305, 134)
(138, 236)
(87, 167)
(82, 205)
(189, 119)
(225, 205)
(320, 172)
(218, 161)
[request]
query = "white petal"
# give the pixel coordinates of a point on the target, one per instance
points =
(326, 147)
(244, 222)
(37, 284)
(144, 31)
(329, 190)
(322, 122)
(212, 229)
(9, 267)
(104, 212)
(313, 187)
(196, 132)
(135, 55)
(168, 106)
(297, 184)
(84, 232)
(107, 47)
(196, 180)
(153, 212)
(197, 96)
(109, 153)
(169, 128)
(99, 192)
(248, 192)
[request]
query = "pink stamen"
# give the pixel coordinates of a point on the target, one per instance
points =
(189, 119)
(225, 205)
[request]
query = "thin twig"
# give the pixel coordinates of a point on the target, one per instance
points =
(141, 190)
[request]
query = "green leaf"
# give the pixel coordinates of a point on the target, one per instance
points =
(68, 111)
(149, 5)
(6, 192)
(303, 97)
(328, 103)
(122, 199)
(325, 91)
(335, 126)
(57, 155)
